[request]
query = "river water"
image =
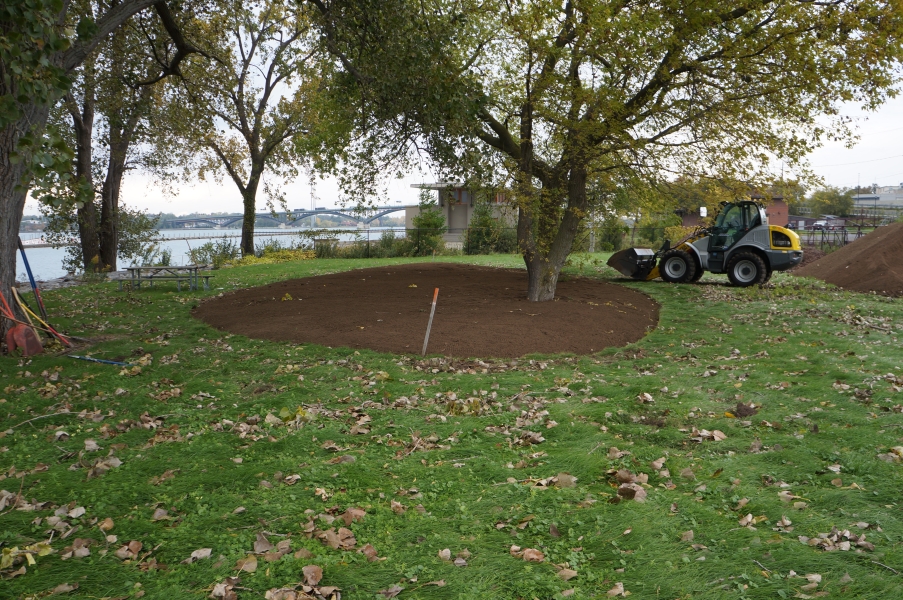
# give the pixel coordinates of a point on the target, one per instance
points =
(47, 263)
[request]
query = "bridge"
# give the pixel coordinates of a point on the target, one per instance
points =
(363, 216)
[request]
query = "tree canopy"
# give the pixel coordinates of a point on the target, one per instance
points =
(555, 96)
(255, 108)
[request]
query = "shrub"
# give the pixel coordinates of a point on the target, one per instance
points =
(216, 253)
(277, 256)
(486, 235)
(426, 239)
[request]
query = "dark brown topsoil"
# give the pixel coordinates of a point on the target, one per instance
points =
(481, 312)
(873, 263)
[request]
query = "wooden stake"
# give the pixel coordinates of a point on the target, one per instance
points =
(429, 326)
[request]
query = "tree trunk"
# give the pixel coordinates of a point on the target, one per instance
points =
(13, 190)
(544, 266)
(86, 215)
(109, 195)
(249, 199)
(109, 211)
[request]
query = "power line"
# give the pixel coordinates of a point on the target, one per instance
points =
(861, 162)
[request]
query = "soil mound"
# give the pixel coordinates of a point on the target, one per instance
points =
(482, 312)
(873, 263)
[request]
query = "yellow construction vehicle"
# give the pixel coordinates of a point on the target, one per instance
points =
(740, 243)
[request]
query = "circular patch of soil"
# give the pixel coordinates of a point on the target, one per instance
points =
(481, 312)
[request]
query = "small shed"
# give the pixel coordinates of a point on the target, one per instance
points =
(457, 203)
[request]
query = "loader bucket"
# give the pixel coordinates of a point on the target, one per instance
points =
(635, 263)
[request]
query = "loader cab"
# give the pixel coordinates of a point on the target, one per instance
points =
(733, 222)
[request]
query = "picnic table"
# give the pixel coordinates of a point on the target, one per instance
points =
(189, 274)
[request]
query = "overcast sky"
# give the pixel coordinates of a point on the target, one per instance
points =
(876, 158)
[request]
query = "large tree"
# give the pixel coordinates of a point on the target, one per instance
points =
(250, 111)
(831, 201)
(575, 93)
(38, 52)
(106, 112)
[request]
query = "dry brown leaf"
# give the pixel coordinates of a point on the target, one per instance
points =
(567, 574)
(533, 555)
(247, 564)
(262, 544)
(566, 480)
(353, 515)
(618, 590)
(199, 554)
(369, 551)
(632, 491)
(614, 453)
(392, 591)
(312, 574)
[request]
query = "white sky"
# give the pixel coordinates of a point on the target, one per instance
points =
(876, 158)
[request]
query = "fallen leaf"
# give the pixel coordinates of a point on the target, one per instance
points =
(262, 544)
(370, 552)
(353, 515)
(395, 589)
(533, 555)
(312, 574)
(247, 564)
(618, 590)
(199, 554)
(565, 480)
(567, 574)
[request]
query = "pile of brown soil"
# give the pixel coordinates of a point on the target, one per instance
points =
(810, 255)
(873, 263)
(481, 312)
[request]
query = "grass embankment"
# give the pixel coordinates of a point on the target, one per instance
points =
(209, 432)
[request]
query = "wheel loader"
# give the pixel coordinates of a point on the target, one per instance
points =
(740, 243)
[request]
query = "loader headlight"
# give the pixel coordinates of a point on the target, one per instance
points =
(780, 240)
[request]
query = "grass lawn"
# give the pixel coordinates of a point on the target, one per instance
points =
(750, 421)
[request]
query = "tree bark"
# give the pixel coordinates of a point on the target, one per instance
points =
(544, 265)
(249, 199)
(109, 204)
(13, 190)
(120, 140)
(86, 215)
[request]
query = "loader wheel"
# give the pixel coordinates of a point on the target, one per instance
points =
(699, 273)
(745, 269)
(677, 266)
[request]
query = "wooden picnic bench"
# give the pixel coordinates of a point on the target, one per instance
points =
(189, 274)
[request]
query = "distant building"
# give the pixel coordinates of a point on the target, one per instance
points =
(457, 204)
(886, 201)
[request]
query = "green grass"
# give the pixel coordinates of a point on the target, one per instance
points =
(787, 348)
